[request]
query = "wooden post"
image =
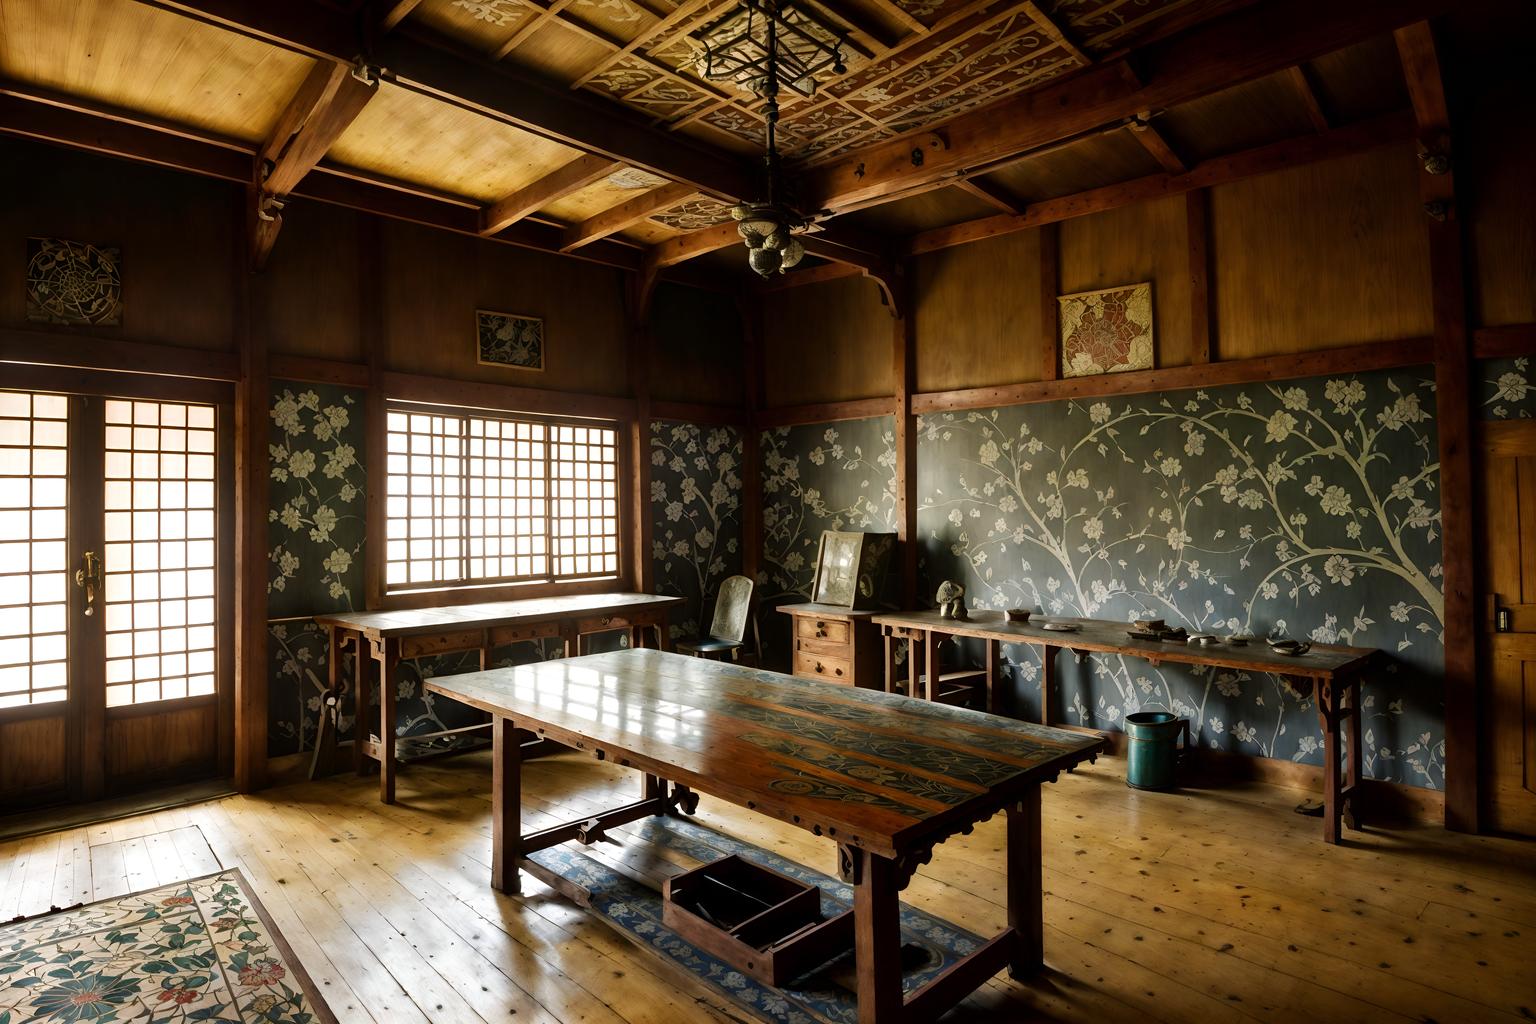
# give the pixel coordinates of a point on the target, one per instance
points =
(904, 357)
(1026, 906)
(877, 938)
(371, 324)
(752, 437)
(389, 693)
(1453, 415)
(641, 566)
(1050, 289)
(1197, 218)
(506, 806)
(253, 400)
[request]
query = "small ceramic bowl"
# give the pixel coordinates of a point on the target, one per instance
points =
(1019, 615)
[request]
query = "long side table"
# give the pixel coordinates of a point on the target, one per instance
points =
(886, 778)
(1332, 674)
(390, 637)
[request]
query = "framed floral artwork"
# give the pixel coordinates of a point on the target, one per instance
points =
(1106, 331)
(507, 339)
(73, 283)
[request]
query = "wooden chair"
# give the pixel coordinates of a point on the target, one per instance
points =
(728, 630)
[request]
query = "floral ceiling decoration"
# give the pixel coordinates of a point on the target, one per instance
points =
(696, 516)
(74, 283)
(1308, 508)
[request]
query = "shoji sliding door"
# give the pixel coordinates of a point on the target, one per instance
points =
(115, 584)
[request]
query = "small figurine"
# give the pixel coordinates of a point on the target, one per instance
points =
(951, 601)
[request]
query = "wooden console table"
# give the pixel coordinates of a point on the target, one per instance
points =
(888, 778)
(834, 644)
(1332, 673)
(389, 637)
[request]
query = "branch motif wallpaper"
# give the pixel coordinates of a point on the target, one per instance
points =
(1304, 507)
(696, 516)
(829, 476)
(1508, 391)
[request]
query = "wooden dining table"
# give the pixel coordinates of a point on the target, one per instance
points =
(887, 778)
(1331, 673)
(390, 637)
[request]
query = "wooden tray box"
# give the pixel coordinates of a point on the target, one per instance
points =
(766, 925)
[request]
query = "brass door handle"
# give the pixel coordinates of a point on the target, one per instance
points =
(89, 577)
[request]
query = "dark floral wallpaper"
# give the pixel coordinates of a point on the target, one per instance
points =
(827, 476)
(1307, 507)
(1505, 389)
(696, 516)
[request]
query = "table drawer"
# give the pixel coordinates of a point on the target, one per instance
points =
(817, 666)
(601, 623)
(825, 649)
(821, 629)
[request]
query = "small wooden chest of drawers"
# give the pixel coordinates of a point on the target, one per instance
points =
(835, 645)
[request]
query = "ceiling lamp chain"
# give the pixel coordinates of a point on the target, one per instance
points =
(773, 45)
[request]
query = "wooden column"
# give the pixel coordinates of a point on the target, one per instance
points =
(371, 325)
(641, 567)
(1050, 288)
(877, 938)
(752, 437)
(1197, 211)
(904, 357)
(252, 402)
(506, 806)
(1453, 414)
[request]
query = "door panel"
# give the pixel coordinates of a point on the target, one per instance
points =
(1508, 711)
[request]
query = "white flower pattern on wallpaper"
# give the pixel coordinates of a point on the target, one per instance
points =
(318, 488)
(1308, 508)
(1508, 392)
(696, 515)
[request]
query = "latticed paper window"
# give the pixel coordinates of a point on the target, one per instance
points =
(34, 583)
(474, 499)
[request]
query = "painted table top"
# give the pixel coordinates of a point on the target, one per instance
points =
(859, 766)
(415, 621)
(1323, 661)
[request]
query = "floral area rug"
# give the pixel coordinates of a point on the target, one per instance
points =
(930, 946)
(199, 950)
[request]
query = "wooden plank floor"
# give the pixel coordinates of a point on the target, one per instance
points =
(1213, 906)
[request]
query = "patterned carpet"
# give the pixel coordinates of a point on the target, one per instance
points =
(199, 950)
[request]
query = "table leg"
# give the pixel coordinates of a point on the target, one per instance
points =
(663, 635)
(993, 690)
(1327, 715)
(362, 694)
(1353, 758)
(890, 661)
(931, 665)
(1047, 682)
(912, 672)
(389, 689)
(506, 806)
(568, 639)
(1026, 885)
(877, 938)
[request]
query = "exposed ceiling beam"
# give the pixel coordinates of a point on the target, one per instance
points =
(1046, 24)
(1154, 142)
(991, 194)
(1301, 84)
(1228, 50)
(1295, 152)
(557, 184)
(626, 215)
(120, 134)
(1431, 112)
(326, 102)
(396, 13)
(695, 243)
(828, 271)
(435, 67)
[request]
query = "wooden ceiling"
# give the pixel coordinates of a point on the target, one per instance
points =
(586, 127)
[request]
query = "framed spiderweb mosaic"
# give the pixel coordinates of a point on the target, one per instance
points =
(1106, 331)
(73, 283)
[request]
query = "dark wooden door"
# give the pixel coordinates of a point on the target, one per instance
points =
(1508, 696)
(115, 571)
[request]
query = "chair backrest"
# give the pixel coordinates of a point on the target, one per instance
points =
(732, 606)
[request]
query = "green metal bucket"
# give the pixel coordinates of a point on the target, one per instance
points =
(1153, 748)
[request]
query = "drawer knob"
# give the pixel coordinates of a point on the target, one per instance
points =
(821, 629)
(838, 671)
(820, 667)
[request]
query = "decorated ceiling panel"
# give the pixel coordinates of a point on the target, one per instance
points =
(905, 64)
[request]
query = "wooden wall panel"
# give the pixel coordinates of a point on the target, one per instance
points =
(1320, 256)
(1145, 242)
(172, 230)
(434, 281)
(32, 756)
(310, 285)
(1500, 148)
(977, 314)
(828, 342)
(156, 745)
(696, 347)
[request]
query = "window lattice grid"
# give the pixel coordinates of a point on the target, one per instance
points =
(584, 501)
(160, 551)
(34, 586)
(474, 499)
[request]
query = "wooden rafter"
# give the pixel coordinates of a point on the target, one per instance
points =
(557, 184)
(326, 102)
(683, 16)
(992, 195)
(542, 16)
(396, 13)
(1048, 26)
(1305, 149)
(1243, 45)
(1301, 85)
(468, 80)
(695, 243)
(1154, 142)
(627, 214)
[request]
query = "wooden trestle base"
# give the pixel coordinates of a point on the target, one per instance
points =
(877, 883)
